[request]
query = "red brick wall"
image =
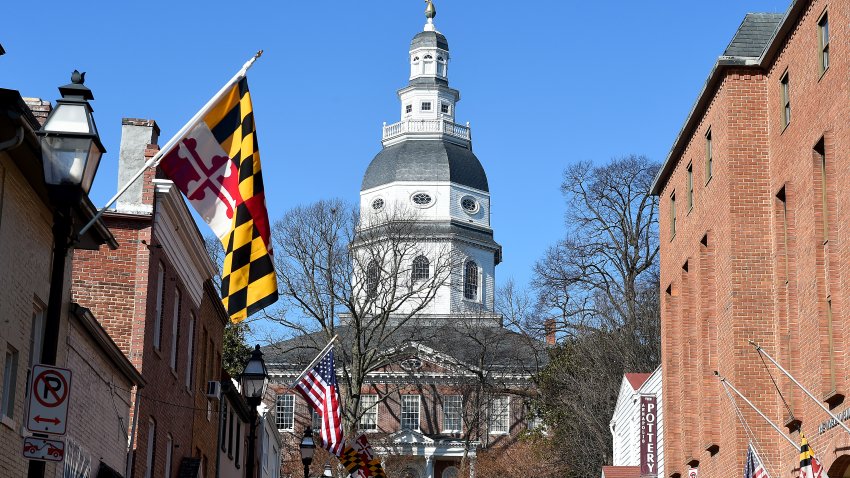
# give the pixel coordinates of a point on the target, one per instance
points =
(737, 286)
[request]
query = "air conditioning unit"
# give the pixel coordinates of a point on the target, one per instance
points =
(213, 389)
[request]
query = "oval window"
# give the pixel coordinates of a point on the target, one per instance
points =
(378, 204)
(469, 204)
(422, 199)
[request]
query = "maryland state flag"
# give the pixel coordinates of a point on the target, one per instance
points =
(216, 164)
(810, 466)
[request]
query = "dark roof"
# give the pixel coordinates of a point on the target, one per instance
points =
(753, 35)
(425, 160)
(499, 347)
(429, 39)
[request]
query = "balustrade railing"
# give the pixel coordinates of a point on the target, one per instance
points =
(440, 125)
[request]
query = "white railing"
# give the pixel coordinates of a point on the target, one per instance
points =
(440, 125)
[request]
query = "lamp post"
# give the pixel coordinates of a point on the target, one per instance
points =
(328, 471)
(307, 448)
(70, 153)
(254, 380)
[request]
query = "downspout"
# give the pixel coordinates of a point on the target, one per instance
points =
(130, 451)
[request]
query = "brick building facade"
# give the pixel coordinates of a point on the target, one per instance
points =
(752, 217)
(155, 298)
(101, 375)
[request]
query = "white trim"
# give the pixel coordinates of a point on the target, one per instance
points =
(427, 205)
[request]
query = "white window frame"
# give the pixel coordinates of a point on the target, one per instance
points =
(371, 411)
(285, 412)
(456, 408)
(169, 444)
(10, 382)
(499, 409)
(190, 350)
(408, 413)
(150, 455)
(160, 292)
(175, 328)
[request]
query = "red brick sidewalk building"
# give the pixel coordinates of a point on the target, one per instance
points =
(754, 218)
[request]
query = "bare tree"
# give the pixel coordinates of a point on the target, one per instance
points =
(600, 284)
(341, 275)
(597, 277)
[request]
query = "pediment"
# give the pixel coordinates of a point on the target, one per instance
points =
(415, 357)
(410, 437)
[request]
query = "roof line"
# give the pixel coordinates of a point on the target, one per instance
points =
(715, 76)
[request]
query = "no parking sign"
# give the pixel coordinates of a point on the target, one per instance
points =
(48, 400)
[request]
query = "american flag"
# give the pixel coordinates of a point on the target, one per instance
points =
(754, 468)
(810, 466)
(319, 388)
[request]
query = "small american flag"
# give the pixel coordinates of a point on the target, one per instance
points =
(754, 468)
(319, 388)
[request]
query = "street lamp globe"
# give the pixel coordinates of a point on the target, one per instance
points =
(307, 448)
(70, 144)
(255, 377)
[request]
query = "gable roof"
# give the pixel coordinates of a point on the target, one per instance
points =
(637, 379)
(620, 472)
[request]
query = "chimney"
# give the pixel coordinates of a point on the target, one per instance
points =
(40, 108)
(137, 136)
(549, 326)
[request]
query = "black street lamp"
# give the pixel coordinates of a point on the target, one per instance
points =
(254, 380)
(70, 152)
(307, 448)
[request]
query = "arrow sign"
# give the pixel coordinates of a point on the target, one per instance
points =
(40, 419)
(48, 400)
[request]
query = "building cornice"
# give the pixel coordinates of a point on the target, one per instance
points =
(182, 242)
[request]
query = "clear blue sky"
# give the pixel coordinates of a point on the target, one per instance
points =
(543, 84)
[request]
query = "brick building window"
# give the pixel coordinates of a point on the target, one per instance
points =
(410, 412)
(175, 329)
(315, 421)
(169, 444)
(452, 408)
(709, 156)
(498, 416)
(368, 413)
(160, 295)
(285, 412)
(785, 87)
(150, 457)
(823, 41)
(690, 186)
(10, 381)
(673, 215)
(190, 351)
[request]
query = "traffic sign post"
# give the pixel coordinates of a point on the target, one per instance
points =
(45, 450)
(48, 400)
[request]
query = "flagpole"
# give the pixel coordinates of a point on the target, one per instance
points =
(174, 139)
(726, 384)
(761, 351)
(316, 360)
(758, 457)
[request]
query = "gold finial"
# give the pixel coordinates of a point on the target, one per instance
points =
(430, 11)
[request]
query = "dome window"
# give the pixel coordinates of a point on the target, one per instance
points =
(408, 109)
(444, 108)
(378, 204)
(426, 106)
(422, 199)
(470, 281)
(415, 58)
(421, 269)
(439, 58)
(469, 204)
(429, 57)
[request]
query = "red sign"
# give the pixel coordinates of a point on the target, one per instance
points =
(41, 449)
(648, 436)
(48, 400)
